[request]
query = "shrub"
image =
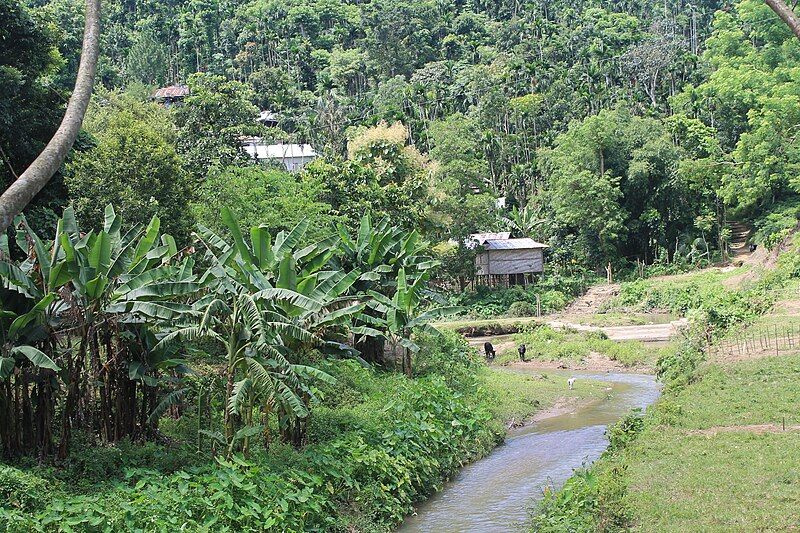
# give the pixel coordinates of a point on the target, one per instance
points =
(625, 431)
(23, 491)
(774, 227)
(521, 309)
(554, 291)
(379, 443)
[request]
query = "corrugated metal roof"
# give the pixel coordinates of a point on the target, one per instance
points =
(481, 238)
(267, 116)
(279, 151)
(173, 91)
(512, 244)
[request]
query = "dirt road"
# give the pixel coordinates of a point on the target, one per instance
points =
(643, 333)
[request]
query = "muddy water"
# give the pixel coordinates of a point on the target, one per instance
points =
(495, 493)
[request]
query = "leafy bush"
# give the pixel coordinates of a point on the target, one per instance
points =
(571, 508)
(554, 291)
(521, 309)
(621, 434)
(450, 356)
(379, 443)
(546, 343)
(23, 491)
(775, 226)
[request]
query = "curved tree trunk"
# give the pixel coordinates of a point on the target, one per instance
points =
(36, 176)
(786, 14)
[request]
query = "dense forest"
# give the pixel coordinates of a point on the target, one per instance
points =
(629, 130)
(166, 288)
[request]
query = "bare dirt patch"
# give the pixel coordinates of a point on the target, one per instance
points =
(594, 362)
(593, 300)
(643, 333)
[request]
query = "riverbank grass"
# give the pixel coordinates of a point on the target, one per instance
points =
(571, 347)
(517, 396)
(720, 450)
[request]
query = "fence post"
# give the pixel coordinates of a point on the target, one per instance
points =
(776, 339)
(538, 307)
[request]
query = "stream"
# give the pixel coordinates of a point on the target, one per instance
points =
(495, 493)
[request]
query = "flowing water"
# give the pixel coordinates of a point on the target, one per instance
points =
(495, 493)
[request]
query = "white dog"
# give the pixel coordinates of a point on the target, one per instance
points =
(571, 383)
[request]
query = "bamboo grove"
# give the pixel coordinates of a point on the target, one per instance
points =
(99, 330)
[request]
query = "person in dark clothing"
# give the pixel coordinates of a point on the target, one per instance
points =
(489, 349)
(522, 349)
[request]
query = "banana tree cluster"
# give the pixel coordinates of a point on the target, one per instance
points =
(381, 251)
(95, 326)
(77, 319)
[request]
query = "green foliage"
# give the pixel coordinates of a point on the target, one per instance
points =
(775, 226)
(520, 309)
(210, 123)
(22, 491)
(555, 293)
(546, 343)
(407, 437)
(570, 509)
(259, 197)
(702, 293)
(622, 433)
(353, 189)
(611, 182)
(133, 165)
(32, 104)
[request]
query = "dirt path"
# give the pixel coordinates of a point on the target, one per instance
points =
(594, 299)
(643, 333)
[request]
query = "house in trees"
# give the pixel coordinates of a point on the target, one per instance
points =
(268, 119)
(172, 95)
(503, 261)
(292, 157)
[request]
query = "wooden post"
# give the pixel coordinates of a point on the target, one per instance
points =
(538, 306)
(776, 339)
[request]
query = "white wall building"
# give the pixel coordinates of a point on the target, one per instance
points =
(292, 156)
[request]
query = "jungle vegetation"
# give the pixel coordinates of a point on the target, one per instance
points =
(192, 339)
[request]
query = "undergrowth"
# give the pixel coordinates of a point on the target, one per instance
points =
(377, 443)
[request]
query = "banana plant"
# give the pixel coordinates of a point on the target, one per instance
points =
(291, 284)
(30, 352)
(259, 376)
(380, 251)
(402, 314)
(119, 284)
(88, 301)
(523, 222)
(257, 263)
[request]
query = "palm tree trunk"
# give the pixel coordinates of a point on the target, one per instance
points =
(36, 176)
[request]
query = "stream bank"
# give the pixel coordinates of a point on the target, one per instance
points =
(494, 493)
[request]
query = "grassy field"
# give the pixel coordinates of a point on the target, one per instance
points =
(721, 461)
(570, 346)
